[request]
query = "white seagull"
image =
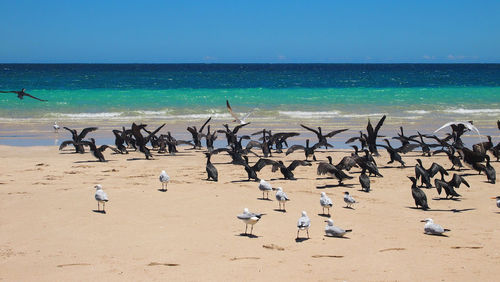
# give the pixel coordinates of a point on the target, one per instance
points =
(164, 179)
(265, 187)
(56, 127)
(249, 218)
(334, 231)
(282, 198)
(100, 197)
(348, 199)
(431, 228)
(303, 224)
(237, 119)
(325, 202)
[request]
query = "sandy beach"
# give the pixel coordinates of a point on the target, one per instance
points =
(50, 231)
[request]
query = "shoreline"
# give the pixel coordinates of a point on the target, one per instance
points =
(41, 133)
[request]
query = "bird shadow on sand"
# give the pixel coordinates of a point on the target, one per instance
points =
(140, 159)
(264, 199)
(350, 208)
(93, 161)
(324, 215)
(300, 240)
(335, 237)
(334, 185)
(279, 210)
(248, 235)
(242, 181)
(161, 190)
(441, 210)
(99, 211)
(446, 199)
(437, 235)
(276, 179)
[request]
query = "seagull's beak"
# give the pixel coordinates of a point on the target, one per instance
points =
(494, 198)
(423, 220)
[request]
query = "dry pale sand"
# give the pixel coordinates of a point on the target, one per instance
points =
(49, 231)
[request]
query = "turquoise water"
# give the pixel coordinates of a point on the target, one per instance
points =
(299, 102)
(271, 92)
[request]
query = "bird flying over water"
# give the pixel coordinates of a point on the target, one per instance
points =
(21, 94)
(237, 119)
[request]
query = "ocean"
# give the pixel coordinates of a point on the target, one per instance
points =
(342, 94)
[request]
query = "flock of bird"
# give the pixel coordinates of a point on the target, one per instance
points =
(267, 143)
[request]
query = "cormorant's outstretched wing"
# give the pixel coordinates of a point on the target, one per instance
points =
(85, 131)
(253, 144)
(294, 148)
(352, 139)
(216, 151)
(65, 143)
(335, 132)
(31, 96)
(324, 168)
(435, 168)
(457, 180)
(203, 126)
(236, 128)
(379, 124)
(296, 163)
(319, 144)
(310, 129)
(262, 163)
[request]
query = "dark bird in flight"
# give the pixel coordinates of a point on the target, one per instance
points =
(21, 94)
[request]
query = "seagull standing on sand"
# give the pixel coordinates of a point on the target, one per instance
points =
(56, 127)
(282, 198)
(325, 202)
(164, 179)
(100, 197)
(249, 218)
(431, 228)
(334, 231)
(265, 187)
(348, 199)
(498, 200)
(303, 224)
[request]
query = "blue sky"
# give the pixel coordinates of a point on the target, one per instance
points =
(249, 31)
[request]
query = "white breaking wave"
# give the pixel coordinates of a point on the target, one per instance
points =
(363, 115)
(301, 114)
(472, 111)
(418, 112)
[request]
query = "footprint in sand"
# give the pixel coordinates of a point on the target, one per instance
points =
(240, 258)
(162, 264)
(73, 264)
(392, 249)
(273, 247)
(327, 256)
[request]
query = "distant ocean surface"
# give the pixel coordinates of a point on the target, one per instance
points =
(128, 92)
